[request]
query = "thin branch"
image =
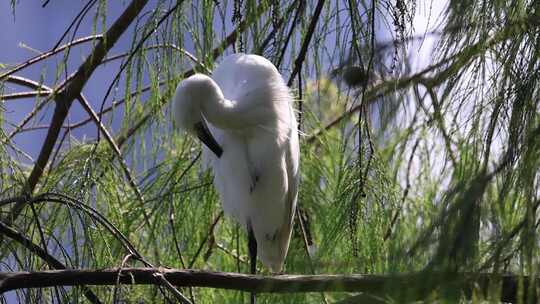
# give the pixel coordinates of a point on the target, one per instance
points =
(402, 286)
(305, 44)
(297, 14)
(34, 85)
(82, 13)
(439, 119)
(162, 46)
(210, 232)
(49, 54)
(115, 104)
(242, 26)
(93, 213)
(399, 210)
(171, 288)
(22, 95)
(306, 242)
(275, 29)
(117, 285)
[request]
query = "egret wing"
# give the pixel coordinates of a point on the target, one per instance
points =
(292, 156)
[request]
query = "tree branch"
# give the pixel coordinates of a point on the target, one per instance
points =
(396, 286)
(305, 44)
(49, 54)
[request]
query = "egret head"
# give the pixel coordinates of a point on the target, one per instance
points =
(191, 97)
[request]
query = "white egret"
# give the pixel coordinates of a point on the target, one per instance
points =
(243, 114)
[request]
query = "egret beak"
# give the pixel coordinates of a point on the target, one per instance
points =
(206, 137)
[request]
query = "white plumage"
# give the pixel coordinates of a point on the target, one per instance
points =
(248, 110)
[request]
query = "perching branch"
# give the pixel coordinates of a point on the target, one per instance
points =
(403, 286)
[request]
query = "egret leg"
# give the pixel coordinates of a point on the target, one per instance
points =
(252, 247)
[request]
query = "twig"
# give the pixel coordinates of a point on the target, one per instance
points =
(171, 288)
(438, 116)
(49, 54)
(305, 44)
(236, 255)
(307, 249)
(299, 11)
(117, 285)
(82, 13)
(130, 56)
(167, 45)
(34, 85)
(22, 95)
(404, 196)
(210, 231)
(115, 104)
(275, 29)
(93, 213)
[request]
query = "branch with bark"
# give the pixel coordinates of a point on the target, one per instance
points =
(401, 286)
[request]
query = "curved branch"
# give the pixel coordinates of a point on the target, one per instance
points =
(50, 260)
(73, 203)
(23, 95)
(49, 54)
(166, 45)
(36, 86)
